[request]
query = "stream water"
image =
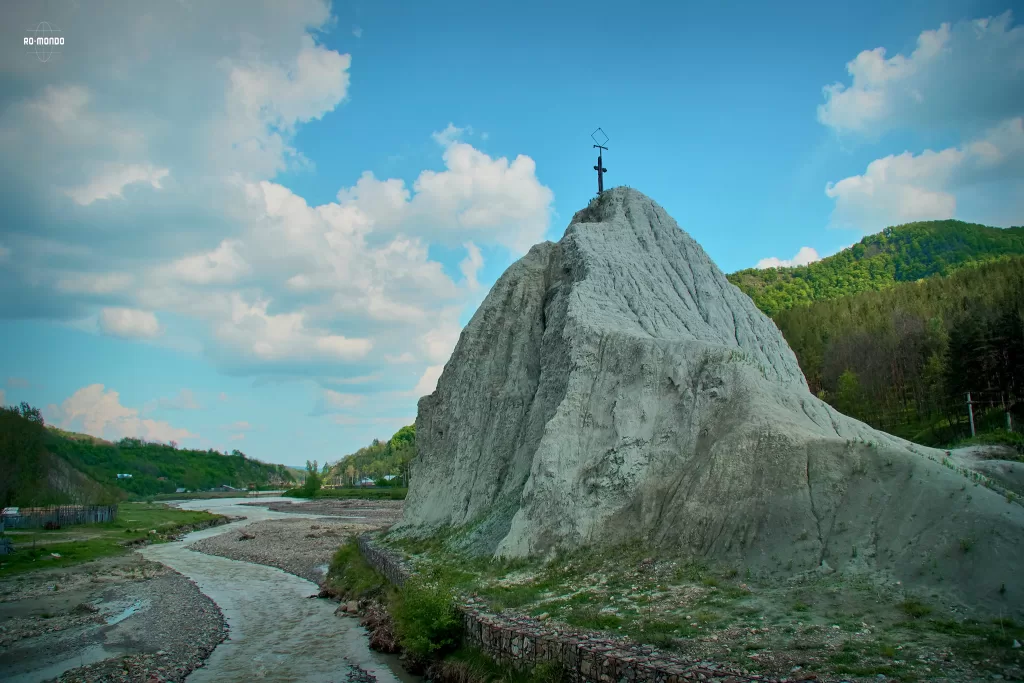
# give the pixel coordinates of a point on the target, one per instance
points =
(276, 632)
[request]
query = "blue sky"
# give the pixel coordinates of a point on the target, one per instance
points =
(262, 225)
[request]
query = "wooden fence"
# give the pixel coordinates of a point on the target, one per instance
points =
(62, 515)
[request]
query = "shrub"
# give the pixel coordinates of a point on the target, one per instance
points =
(350, 576)
(915, 608)
(426, 620)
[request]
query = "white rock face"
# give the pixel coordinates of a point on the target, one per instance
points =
(614, 386)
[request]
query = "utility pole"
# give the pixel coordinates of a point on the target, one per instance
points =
(970, 411)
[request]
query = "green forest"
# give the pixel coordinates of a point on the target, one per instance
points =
(44, 465)
(903, 253)
(378, 459)
(897, 329)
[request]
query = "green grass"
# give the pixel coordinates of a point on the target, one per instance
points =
(350, 576)
(352, 493)
(93, 541)
(470, 665)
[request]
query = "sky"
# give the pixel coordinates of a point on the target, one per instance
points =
(262, 225)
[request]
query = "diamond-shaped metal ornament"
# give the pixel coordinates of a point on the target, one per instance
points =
(600, 137)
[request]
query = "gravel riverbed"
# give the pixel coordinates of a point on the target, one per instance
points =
(303, 547)
(121, 619)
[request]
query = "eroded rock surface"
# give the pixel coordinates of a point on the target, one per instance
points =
(615, 386)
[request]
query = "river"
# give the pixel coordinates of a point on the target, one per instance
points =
(276, 632)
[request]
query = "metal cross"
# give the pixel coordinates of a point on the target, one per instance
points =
(602, 140)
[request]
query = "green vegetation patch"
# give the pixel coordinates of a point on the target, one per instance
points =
(74, 544)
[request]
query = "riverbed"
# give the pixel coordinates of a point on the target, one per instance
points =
(276, 629)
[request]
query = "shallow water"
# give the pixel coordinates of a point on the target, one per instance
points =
(125, 613)
(276, 632)
(84, 657)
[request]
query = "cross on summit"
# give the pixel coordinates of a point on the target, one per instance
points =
(601, 138)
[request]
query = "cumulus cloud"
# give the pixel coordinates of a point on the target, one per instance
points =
(98, 411)
(128, 323)
(907, 187)
(428, 381)
(241, 426)
(965, 74)
(169, 153)
(331, 401)
(803, 257)
(111, 182)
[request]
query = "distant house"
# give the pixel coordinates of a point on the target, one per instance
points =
(366, 481)
(180, 489)
(390, 477)
(124, 476)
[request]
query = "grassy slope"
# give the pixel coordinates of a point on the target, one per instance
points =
(84, 542)
(827, 624)
(897, 254)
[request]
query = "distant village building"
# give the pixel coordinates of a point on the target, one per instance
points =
(390, 477)
(180, 489)
(124, 476)
(366, 481)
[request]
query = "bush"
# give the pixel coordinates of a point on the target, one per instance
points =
(426, 620)
(350, 576)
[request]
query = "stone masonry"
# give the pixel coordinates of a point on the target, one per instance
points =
(520, 641)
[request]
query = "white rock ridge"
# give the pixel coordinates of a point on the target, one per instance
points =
(614, 386)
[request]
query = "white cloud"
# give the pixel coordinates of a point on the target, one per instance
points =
(98, 411)
(357, 32)
(237, 437)
(471, 265)
(17, 382)
(450, 134)
(94, 283)
(241, 426)
(428, 381)
(907, 187)
(221, 266)
(184, 400)
(803, 257)
(111, 182)
(969, 73)
(129, 323)
(169, 148)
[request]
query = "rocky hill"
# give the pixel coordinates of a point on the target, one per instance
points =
(614, 387)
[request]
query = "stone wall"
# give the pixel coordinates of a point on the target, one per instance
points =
(520, 641)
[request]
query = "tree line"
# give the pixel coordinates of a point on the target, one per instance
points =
(904, 358)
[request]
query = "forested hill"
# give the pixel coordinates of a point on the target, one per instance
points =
(378, 459)
(42, 465)
(904, 358)
(903, 253)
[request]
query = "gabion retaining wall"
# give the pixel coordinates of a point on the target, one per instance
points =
(587, 657)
